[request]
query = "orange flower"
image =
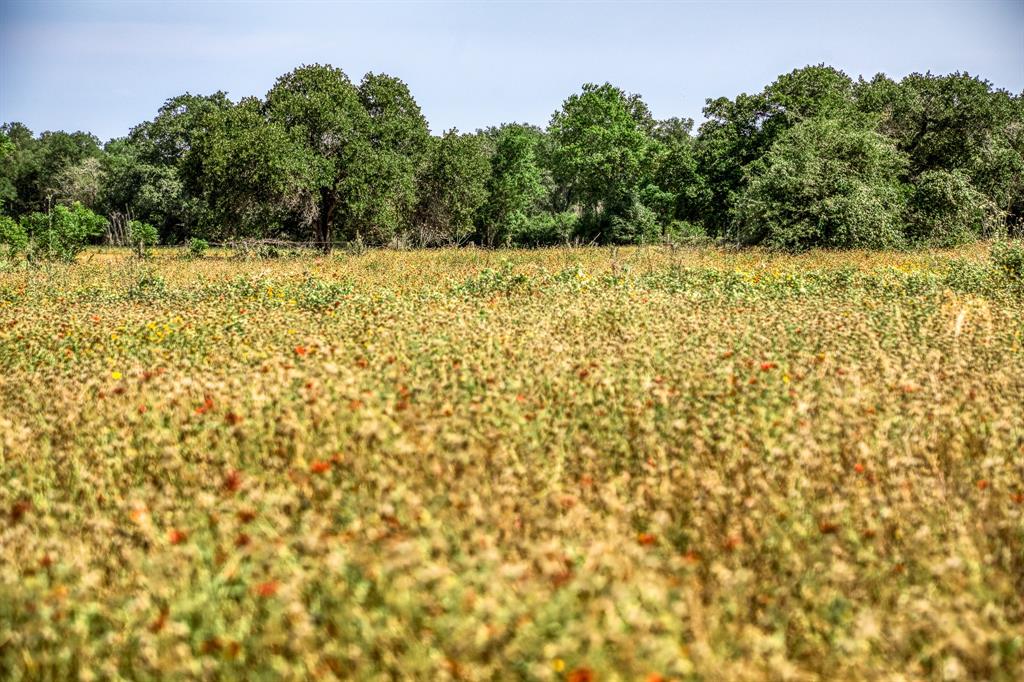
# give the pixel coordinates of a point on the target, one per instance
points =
(206, 406)
(176, 537)
(267, 589)
(232, 481)
(982, 484)
(859, 468)
(765, 366)
(300, 350)
(581, 675)
(320, 466)
(646, 539)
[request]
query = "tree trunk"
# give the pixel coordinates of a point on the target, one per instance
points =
(325, 221)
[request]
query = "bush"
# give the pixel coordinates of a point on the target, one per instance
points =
(62, 233)
(637, 224)
(143, 237)
(823, 183)
(944, 209)
(685, 232)
(12, 237)
(197, 248)
(1008, 259)
(545, 229)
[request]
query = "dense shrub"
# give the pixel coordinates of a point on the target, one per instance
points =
(62, 233)
(143, 237)
(823, 183)
(685, 232)
(637, 224)
(197, 248)
(13, 239)
(545, 229)
(944, 209)
(1008, 258)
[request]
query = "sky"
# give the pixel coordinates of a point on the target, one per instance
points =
(106, 66)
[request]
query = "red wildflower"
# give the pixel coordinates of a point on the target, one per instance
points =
(176, 537)
(859, 468)
(982, 484)
(765, 366)
(300, 350)
(19, 509)
(646, 539)
(581, 675)
(232, 481)
(320, 466)
(267, 589)
(206, 406)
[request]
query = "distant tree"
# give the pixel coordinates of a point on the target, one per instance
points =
(515, 188)
(452, 189)
(8, 192)
(253, 176)
(945, 209)
(82, 182)
(600, 147)
(153, 175)
(398, 140)
(33, 166)
(739, 132)
(950, 123)
(322, 113)
(61, 233)
(824, 183)
(676, 174)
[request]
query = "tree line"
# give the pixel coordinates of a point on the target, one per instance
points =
(814, 159)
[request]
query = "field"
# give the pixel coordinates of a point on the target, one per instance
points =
(641, 464)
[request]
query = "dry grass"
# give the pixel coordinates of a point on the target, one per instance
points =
(640, 464)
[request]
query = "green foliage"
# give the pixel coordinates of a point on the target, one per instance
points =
(637, 224)
(143, 237)
(601, 146)
(515, 187)
(323, 115)
(1008, 258)
(503, 280)
(13, 238)
(453, 188)
(399, 140)
(685, 232)
(197, 248)
(741, 132)
(252, 172)
(823, 184)
(62, 233)
(327, 161)
(31, 168)
(541, 229)
(944, 209)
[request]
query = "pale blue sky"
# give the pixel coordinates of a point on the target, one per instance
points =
(105, 66)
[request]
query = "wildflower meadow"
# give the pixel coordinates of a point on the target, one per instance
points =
(642, 463)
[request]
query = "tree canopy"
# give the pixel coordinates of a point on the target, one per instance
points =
(816, 158)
